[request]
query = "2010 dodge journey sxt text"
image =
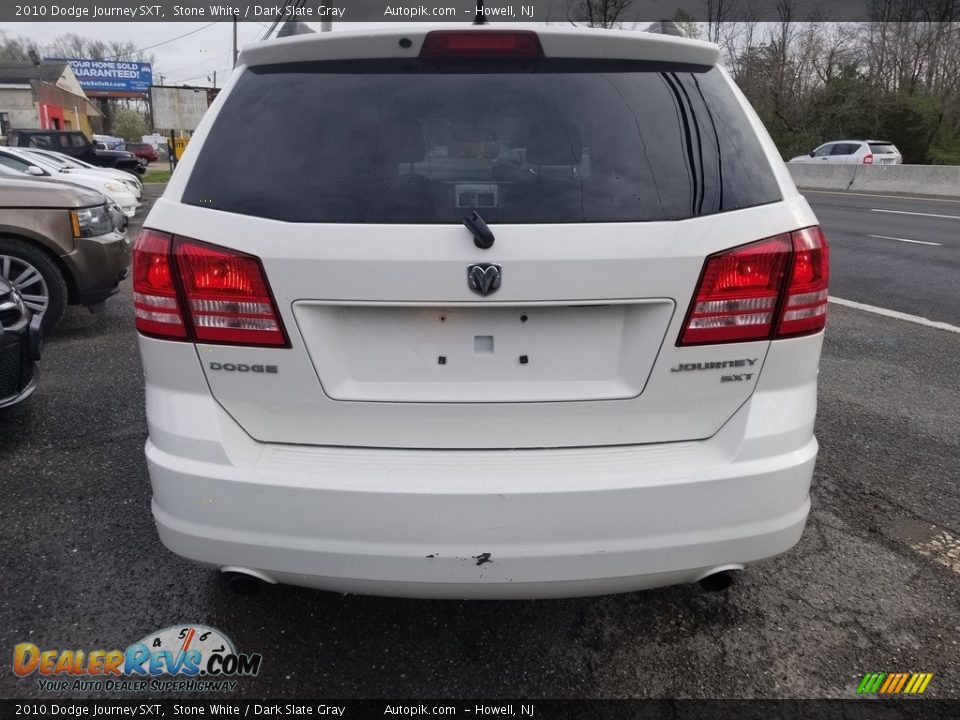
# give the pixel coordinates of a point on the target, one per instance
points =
(542, 313)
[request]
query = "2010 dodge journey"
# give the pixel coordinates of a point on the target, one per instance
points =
(484, 312)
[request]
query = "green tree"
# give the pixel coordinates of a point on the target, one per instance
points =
(688, 26)
(129, 124)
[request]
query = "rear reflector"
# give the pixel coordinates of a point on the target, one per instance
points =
(747, 292)
(805, 309)
(188, 290)
(444, 44)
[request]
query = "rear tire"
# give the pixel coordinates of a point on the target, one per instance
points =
(37, 278)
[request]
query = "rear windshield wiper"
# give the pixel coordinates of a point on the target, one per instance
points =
(482, 235)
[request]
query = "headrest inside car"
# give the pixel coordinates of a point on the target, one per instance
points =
(554, 142)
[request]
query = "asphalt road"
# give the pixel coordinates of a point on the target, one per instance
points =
(871, 587)
(901, 253)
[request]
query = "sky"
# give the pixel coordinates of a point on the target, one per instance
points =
(190, 59)
(183, 52)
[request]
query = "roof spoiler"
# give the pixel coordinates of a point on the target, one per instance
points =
(665, 27)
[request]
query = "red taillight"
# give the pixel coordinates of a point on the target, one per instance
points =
(868, 159)
(442, 44)
(155, 303)
(805, 307)
(738, 293)
(227, 296)
(224, 293)
(748, 292)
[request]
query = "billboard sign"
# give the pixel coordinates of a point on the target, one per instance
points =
(111, 77)
(178, 108)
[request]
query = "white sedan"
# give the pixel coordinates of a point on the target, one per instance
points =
(62, 160)
(38, 166)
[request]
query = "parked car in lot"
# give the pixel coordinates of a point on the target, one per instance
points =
(20, 345)
(144, 151)
(853, 152)
(108, 142)
(59, 245)
(422, 378)
(68, 163)
(75, 144)
(40, 166)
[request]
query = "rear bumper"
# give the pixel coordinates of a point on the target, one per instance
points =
(479, 523)
(465, 525)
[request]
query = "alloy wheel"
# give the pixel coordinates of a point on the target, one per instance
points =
(28, 282)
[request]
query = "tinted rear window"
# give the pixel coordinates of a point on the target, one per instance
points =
(406, 142)
(883, 148)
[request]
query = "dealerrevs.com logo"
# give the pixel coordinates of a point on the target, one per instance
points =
(179, 658)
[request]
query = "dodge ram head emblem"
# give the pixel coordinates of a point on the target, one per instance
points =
(484, 278)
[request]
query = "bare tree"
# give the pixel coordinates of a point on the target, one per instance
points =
(597, 13)
(72, 45)
(14, 47)
(719, 13)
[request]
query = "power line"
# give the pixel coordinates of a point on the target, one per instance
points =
(165, 42)
(170, 73)
(198, 62)
(195, 77)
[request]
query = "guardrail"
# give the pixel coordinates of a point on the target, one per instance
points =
(943, 180)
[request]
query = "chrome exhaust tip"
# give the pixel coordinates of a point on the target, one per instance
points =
(244, 581)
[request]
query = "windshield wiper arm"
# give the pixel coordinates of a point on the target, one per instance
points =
(482, 235)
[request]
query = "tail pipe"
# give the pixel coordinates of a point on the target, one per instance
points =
(719, 578)
(244, 581)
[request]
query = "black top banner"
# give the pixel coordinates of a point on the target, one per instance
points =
(511, 709)
(593, 12)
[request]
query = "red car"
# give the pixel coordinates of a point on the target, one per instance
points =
(144, 151)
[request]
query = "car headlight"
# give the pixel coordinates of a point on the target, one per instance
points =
(91, 222)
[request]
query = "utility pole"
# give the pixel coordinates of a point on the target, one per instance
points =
(214, 79)
(234, 41)
(153, 128)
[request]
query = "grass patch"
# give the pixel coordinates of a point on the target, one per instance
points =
(155, 176)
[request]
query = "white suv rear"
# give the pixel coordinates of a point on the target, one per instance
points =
(853, 152)
(349, 387)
